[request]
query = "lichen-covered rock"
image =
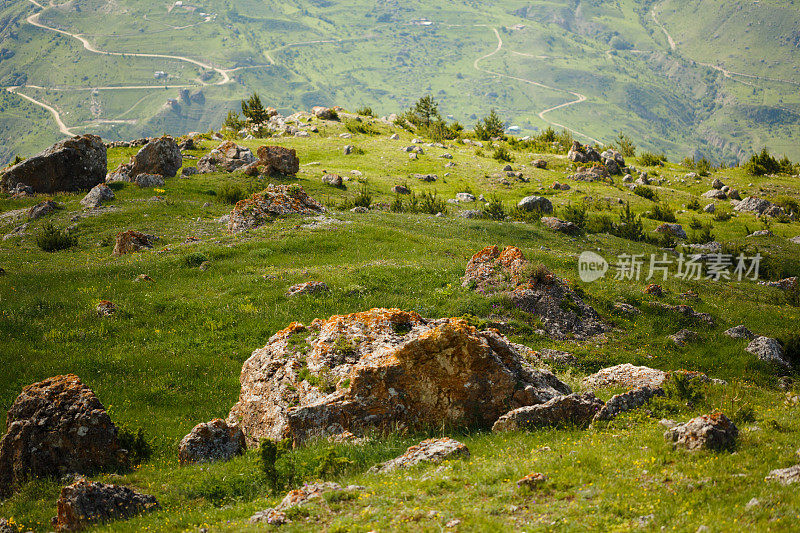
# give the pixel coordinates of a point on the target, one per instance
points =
(532, 481)
(534, 290)
(753, 205)
(673, 230)
(334, 180)
(686, 311)
(160, 156)
(85, 503)
(148, 180)
(684, 337)
(212, 441)
(308, 493)
(562, 226)
(655, 289)
(309, 287)
(57, 426)
(628, 401)
(98, 195)
(768, 349)
(785, 284)
(105, 308)
(274, 201)
(538, 204)
(626, 375)
(226, 157)
(131, 241)
(711, 432)
(383, 368)
(42, 209)
(572, 409)
(739, 332)
(427, 451)
(73, 164)
(785, 476)
(278, 160)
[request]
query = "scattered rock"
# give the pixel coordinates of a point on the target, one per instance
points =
(105, 308)
(334, 180)
(73, 164)
(325, 113)
(306, 494)
(534, 290)
(383, 369)
(465, 197)
(711, 432)
(762, 233)
(148, 180)
(538, 204)
(309, 287)
(572, 409)
(785, 284)
(684, 337)
(674, 230)
(627, 309)
(740, 332)
(582, 154)
(131, 241)
(556, 356)
(710, 208)
(717, 184)
(427, 451)
(54, 427)
(360, 209)
(767, 349)
(627, 401)
(613, 161)
(99, 194)
(532, 481)
(143, 277)
(188, 171)
(274, 201)
(539, 163)
(226, 157)
(560, 186)
(160, 156)
(348, 149)
(42, 209)
(626, 375)
(654, 289)
(470, 213)
(394, 137)
(715, 194)
(686, 311)
(426, 177)
(562, 226)
(85, 503)
(212, 441)
(754, 205)
(785, 476)
(401, 189)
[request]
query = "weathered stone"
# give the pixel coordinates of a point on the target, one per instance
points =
(105, 308)
(627, 309)
(334, 180)
(278, 160)
(309, 287)
(401, 189)
(54, 427)
(539, 163)
(534, 290)
(465, 197)
(711, 432)
(557, 357)
(73, 164)
(674, 230)
(426, 177)
(381, 369)
(538, 204)
(573, 409)
(360, 209)
(785, 284)
(226, 157)
(710, 208)
(188, 171)
(308, 493)
(85, 503)
(42, 209)
(768, 349)
(785, 476)
(98, 195)
(273, 202)
(160, 156)
(211, 441)
(715, 194)
(532, 481)
(325, 113)
(686, 311)
(754, 205)
(562, 226)
(427, 451)
(684, 337)
(740, 332)
(148, 180)
(131, 241)
(627, 401)
(626, 375)
(717, 184)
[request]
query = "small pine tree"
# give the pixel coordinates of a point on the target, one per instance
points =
(254, 110)
(626, 146)
(424, 111)
(491, 126)
(233, 121)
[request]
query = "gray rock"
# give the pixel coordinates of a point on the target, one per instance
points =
(717, 184)
(710, 432)
(85, 503)
(212, 441)
(426, 177)
(754, 205)
(465, 197)
(401, 189)
(99, 194)
(538, 204)
(785, 476)
(675, 230)
(149, 180)
(556, 224)
(767, 349)
(427, 451)
(348, 149)
(188, 171)
(42, 209)
(710, 208)
(715, 194)
(739, 332)
(360, 209)
(627, 401)
(470, 213)
(684, 337)
(334, 180)
(572, 409)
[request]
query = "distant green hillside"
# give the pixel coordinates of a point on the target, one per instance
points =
(716, 78)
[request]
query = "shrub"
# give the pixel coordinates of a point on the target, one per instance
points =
(685, 388)
(501, 153)
(791, 349)
(52, 239)
(330, 464)
(662, 212)
(269, 452)
(702, 235)
(645, 192)
(630, 225)
(625, 144)
(600, 224)
(234, 122)
(195, 259)
(494, 210)
(431, 204)
(764, 163)
(576, 215)
(357, 126)
(649, 159)
(363, 198)
(139, 449)
(490, 127)
(365, 111)
(694, 205)
(230, 193)
(722, 215)
(397, 204)
(704, 167)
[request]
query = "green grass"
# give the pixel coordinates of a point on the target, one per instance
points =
(171, 356)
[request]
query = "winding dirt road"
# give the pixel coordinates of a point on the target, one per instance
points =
(56, 115)
(578, 96)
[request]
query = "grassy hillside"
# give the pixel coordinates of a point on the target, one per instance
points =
(723, 96)
(171, 357)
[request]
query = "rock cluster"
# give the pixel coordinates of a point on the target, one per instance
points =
(627, 401)
(95, 197)
(383, 368)
(686, 311)
(427, 451)
(583, 154)
(211, 441)
(226, 157)
(85, 503)
(577, 409)
(533, 290)
(73, 164)
(562, 226)
(57, 426)
(274, 201)
(159, 157)
(711, 432)
(309, 287)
